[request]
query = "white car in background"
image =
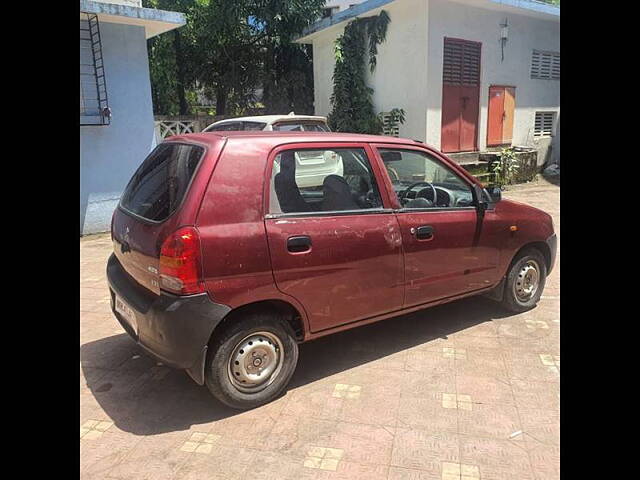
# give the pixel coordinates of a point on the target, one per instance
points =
(275, 123)
(312, 167)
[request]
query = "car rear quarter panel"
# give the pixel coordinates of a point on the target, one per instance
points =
(236, 261)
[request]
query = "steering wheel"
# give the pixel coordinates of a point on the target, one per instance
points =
(405, 192)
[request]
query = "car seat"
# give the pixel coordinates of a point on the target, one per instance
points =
(337, 194)
(286, 188)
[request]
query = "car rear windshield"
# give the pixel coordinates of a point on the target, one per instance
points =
(158, 186)
(300, 127)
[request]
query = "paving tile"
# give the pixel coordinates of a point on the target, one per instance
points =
(371, 408)
(152, 458)
(323, 458)
(482, 362)
(536, 395)
(429, 361)
(343, 390)
(541, 426)
(459, 471)
(315, 401)
(247, 429)
(484, 420)
(276, 466)
(355, 471)
(427, 413)
(222, 463)
(101, 455)
(545, 462)
(428, 383)
(457, 353)
(364, 444)
(398, 473)
(485, 390)
(200, 442)
(496, 459)
(466, 341)
(529, 366)
(292, 434)
(422, 450)
(92, 429)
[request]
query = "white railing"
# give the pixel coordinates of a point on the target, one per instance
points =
(167, 128)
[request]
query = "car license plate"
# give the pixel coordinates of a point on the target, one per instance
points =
(127, 313)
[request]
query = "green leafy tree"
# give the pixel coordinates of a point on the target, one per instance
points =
(288, 68)
(170, 62)
(351, 100)
(228, 48)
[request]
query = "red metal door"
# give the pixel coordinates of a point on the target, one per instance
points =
(500, 115)
(496, 115)
(460, 95)
(354, 267)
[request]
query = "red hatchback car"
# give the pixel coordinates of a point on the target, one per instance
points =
(231, 248)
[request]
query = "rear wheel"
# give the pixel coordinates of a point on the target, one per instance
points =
(251, 361)
(525, 281)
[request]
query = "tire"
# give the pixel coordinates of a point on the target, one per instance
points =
(254, 346)
(519, 295)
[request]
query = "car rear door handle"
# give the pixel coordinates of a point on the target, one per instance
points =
(299, 243)
(425, 232)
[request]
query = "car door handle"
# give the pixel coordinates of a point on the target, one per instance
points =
(425, 232)
(299, 243)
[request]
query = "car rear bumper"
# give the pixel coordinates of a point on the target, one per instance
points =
(174, 329)
(552, 242)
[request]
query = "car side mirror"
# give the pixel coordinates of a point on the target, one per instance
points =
(495, 193)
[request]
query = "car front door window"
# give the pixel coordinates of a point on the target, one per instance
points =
(422, 182)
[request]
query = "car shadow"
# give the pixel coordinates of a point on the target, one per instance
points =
(146, 398)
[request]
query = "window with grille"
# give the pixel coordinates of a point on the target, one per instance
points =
(461, 65)
(388, 128)
(545, 65)
(94, 107)
(543, 126)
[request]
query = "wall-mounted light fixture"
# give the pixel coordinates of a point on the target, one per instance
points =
(504, 35)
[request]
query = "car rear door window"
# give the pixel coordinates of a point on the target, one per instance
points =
(160, 183)
(323, 180)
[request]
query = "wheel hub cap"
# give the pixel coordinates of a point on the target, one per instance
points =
(526, 284)
(256, 361)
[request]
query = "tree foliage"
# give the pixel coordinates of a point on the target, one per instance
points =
(351, 100)
(228, 49)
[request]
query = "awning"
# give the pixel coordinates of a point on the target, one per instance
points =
(154, 21)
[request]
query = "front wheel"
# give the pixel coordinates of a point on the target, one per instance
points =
(252, 361)
(525, 281)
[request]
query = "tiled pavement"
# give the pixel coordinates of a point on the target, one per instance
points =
(461, 391)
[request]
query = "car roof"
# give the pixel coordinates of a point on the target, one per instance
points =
(273, 139)
(271, 118)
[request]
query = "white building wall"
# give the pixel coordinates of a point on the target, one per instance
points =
(399, 80)
(451, 19)
(109, 154)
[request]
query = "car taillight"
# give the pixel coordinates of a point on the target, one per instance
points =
(180, 262)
